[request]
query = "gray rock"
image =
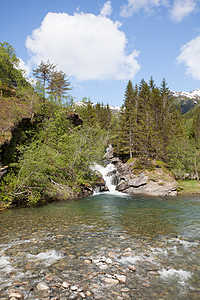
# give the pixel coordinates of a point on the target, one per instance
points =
(65, 285)
(82, 295)
(16, 296)
(109, 152)
(123, 185)
(111, 281)
(138, 181)
(109, 260)
(121, 278)
(42, 287)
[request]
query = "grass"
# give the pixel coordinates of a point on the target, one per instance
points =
(188, 187)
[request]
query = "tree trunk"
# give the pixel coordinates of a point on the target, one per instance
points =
(195, 166)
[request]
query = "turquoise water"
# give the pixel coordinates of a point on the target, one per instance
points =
(84, 242)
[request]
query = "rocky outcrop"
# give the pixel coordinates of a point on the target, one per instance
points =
(157, 182)
(75, 119)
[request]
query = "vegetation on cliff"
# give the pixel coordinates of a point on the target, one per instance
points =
(48, 142)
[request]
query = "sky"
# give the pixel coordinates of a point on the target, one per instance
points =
(101, 44)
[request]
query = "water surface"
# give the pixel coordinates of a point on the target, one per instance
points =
(88, 241)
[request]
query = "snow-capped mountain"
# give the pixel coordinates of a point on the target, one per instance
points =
(190, 95)
(82, 103)
(186, 100)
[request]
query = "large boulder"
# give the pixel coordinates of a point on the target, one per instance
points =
(158, 182)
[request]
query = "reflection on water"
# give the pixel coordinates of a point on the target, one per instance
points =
(158, 236)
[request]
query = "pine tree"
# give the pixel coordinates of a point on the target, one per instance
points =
(196, 127)
(128, 121)
(43, 72)
(58, 84)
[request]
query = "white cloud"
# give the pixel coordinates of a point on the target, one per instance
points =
(85, 46)
(178, 9)
(190, 56)
(26, 67)
(181, 9)
(134, 6)
(106, 9)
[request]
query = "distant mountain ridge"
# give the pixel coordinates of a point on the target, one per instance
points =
(194, 94)
(113, 108)
(186, 100)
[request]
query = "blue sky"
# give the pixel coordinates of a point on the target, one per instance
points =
(102, 44)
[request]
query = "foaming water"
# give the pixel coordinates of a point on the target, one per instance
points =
(107, 175)
(5, 265)
(172, 274)
(47, 257)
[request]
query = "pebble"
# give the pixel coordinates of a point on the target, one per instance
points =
(16, 295)
(88, 293)
(128, 250)
(65, 284)
(87, 261)
(42, 286)
(125, 290)
(74, 288)
(111, 254)
(132, 268)
(103, 267)
(145, 284)
(111, 281)
(82, 295)
(121, 278)
(153, 273)
(109, 261)
(127, 254)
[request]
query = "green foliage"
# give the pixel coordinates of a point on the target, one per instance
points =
(58, 85)
(195, 130)
(148, 121)
(53, 81)
(95, 115)
(56, 164)
(184, 159)
(43, 73)
(10, 75)
(188, 187)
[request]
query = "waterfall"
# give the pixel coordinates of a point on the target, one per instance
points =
(106, 174)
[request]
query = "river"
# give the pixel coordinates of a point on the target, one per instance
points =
(106, 246)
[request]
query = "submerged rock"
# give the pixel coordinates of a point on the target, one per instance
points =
(42, 287)
(111, 281)
(121, 278)
(16, 296)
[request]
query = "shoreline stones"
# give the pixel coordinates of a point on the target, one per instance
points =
(14, 296)
(65, 285)
(42, 286)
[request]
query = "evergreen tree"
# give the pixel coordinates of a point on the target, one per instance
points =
(128, 119)
(196, 127)
(43, 73)
(58, 85)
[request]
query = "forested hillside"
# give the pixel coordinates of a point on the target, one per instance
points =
(48, 143)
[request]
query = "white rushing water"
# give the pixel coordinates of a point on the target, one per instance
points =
(107, 175)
